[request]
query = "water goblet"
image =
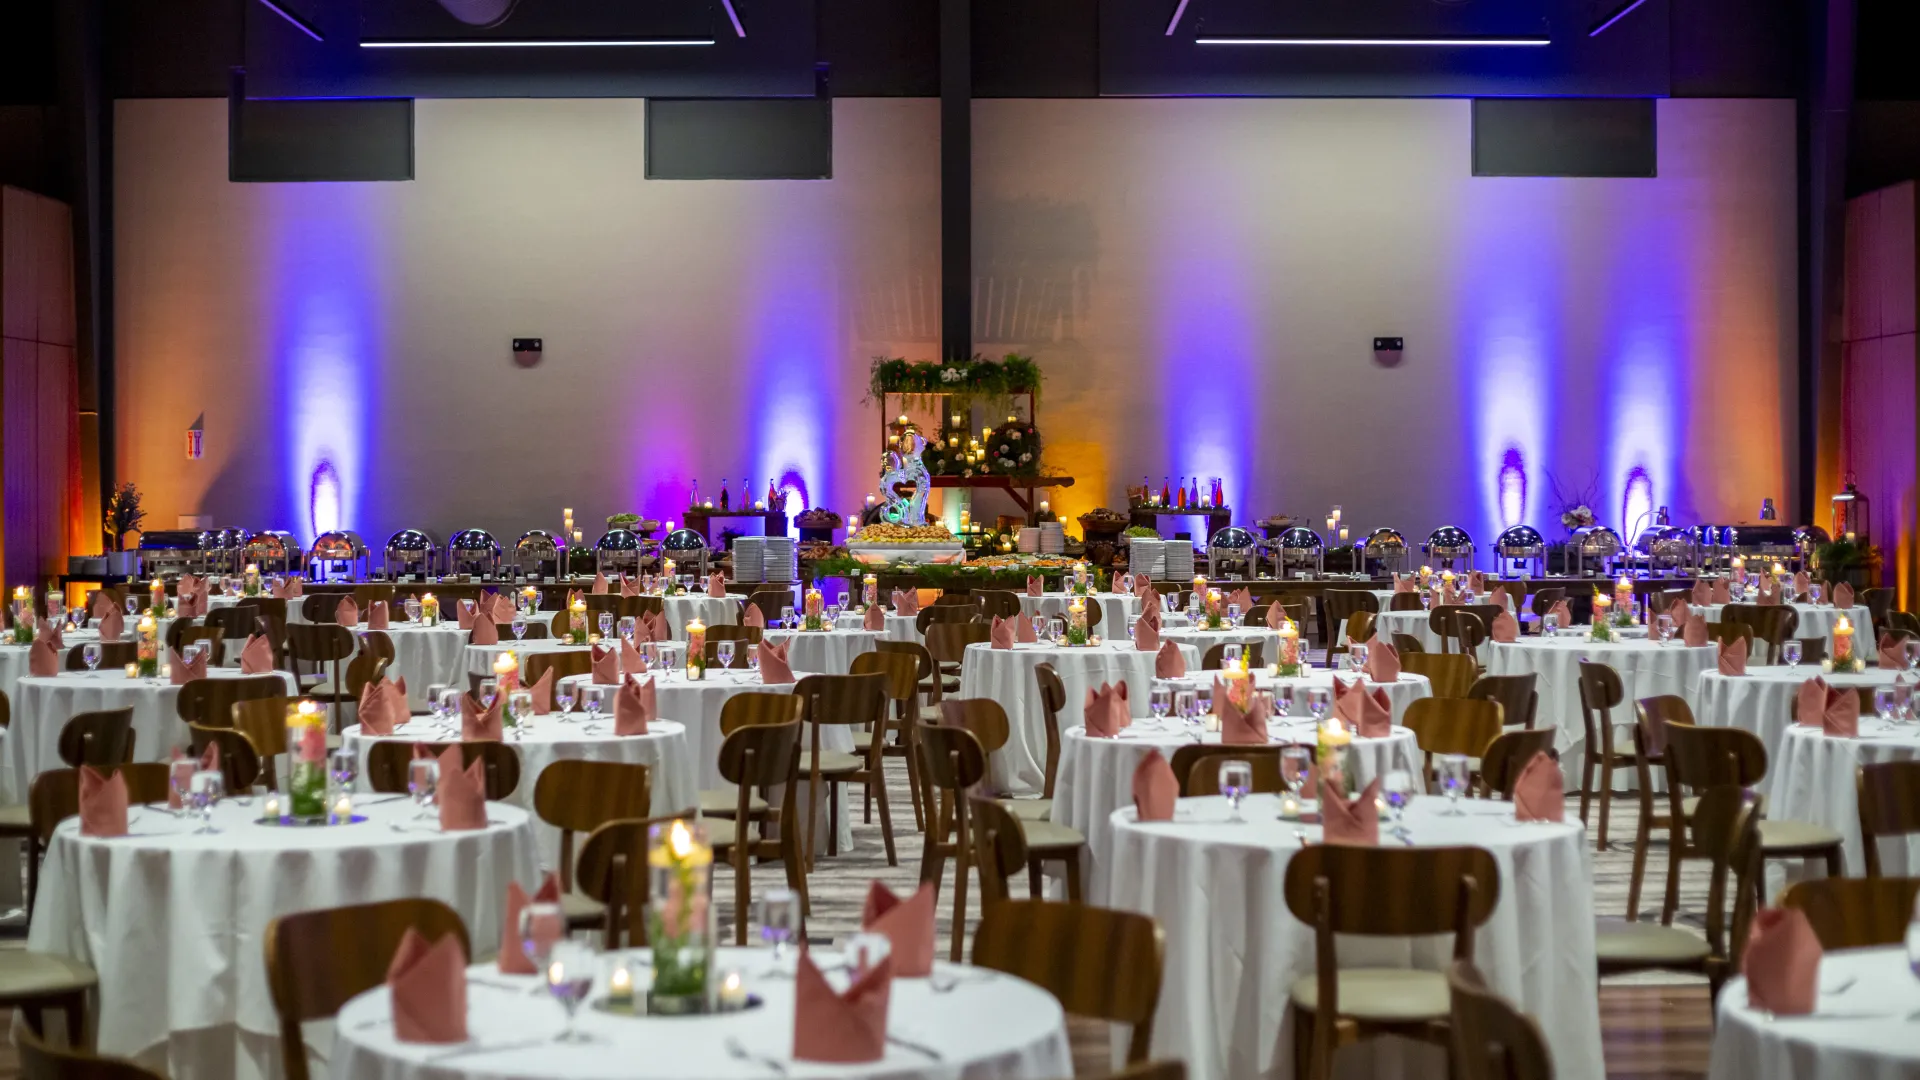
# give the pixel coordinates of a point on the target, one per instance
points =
(1549, 624)
(519, 625)
(180, 781)
(1357, 657)
(605, 622)
(133, 604)
(1202, 701)
(1233, 612)
(1319, 700)
(1160, 701)
(786, 617)
(489, 691)
(412, 608)
(753, 661)
(564, 694)
(1426, 601)
(520, 704)
(1230, 654)
(1236, 780)
(1040, 628)
(594, 697)
(1184, 705)
(842, 600)
(1664, 624)
(833, 613)
(627, 627)
(1813, 593)
(650, 652)
(1296, 766)
(1913, 653)
(1790, 652)
(1453, 781)
(208, 786)
(1397, 788)
(1884, 705)
(423, 776)
(723, 651)
(779, 920)
(90, 652)
(1283, 699)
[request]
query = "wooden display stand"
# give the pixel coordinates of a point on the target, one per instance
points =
(697, 519)
(1019, 488)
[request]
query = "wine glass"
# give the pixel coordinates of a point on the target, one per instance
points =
(1549, 624)
(489, 691)
(569, 969)
(778, 919)
(343, 765)
(786, 616)
(1357, 657)
(1296, 765)
(1230, 654)
(594, 697)
(1233, 613)
(520, 703)
(1397, 787)
(1813, 593)
(833, 614)
(1184, 705)
(1913, 940)
(1160, 701)
(627, 627)
(1202, 701)
(436, 702)
(753, 661)
(1283, 699)
(1236, 780)
(1319, 701)
(563, 698)
(723, 651)
(90, 652)
(449, 705)
(423, 776)
(208, 786)
(1040, 628)
(1665, 625)
(842, 602)
(133, 604)
(1884, 705)
(1790, 652)
(180, 780)
(1426, 601)
(1913, 653)
(412, 608)
(519, 625)
(605, 622)
(1453, 781)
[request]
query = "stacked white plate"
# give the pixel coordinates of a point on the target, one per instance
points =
(1179, 560)
(1028, 541)
(1147, 556)
(749, 558)
(1053, 541)
(781, 563)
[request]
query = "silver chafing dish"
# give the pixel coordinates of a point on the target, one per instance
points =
(688, 550)
(621, 551)
(1666, 547)
(340, 552)
(169, 551)
(223, 551)
(1298, 548)
(1789, 545)
(274, 551)
(1592, 550)
(1520, 547)
(539, 553)
(1383, 551)
(1233, 547)
(1446, 544)
(410, 552)
(473, 551)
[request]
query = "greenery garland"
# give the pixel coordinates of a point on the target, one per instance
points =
(990, 382)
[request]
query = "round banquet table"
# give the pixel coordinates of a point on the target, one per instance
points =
(899, 627)
(1761, 701)
(1414, 624)
(1646, 668)
(13, 658)
(829, 652)
(1816, 620)
(42, 705)
(424, 655)
(1811, 779)
(1863, 1026)
(1232, 948)
(671, 774)
(985, 1025)
(1096, 774)
(1116, 609)
(710, 610)
(174, 920)
(1006, 676)
(1203, 639)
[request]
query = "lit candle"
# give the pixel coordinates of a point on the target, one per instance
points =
(669, 524)
(620, 986)
(271, 808)
(869, 498)
(1043, 506)
(166, 670)
(1623, 593)
(133, 671)
(696, 651)
(506, 671)
(1289, 805)
(577, 620)
(1842, 638)
(1200, 583)
(1425, 573)
(343, 808)
(1343, 534)
(869, 590)
(733, 993)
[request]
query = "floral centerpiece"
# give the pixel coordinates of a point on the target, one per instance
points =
(1845, 658)
(147, 645)
(1077, 633)
(813, 611)
(307, 745)
(1080, 582)
(1289, 665)
(250, 580)
(22, 616)
(429, 609)
(1332, 744)
(577, 620)
(1623, 603)
(1602, 628)
(696, 649)
(679, 917)
(869, 590)
(1577, 516)
(506, 679)
(1214, 611)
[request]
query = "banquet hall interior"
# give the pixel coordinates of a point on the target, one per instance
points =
(1231, 539)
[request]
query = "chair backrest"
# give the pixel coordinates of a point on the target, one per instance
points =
(734, 632)
(1216, 655)
(239, 758)
(1406, 645)
(235, 623)
(843, 699)
(936, 614)
(1405, 601)
(741, 648)
(38, 1061)
(183, 633)
(1509, 753)
(902, 672)
(1453, 725)
(612, 869)
(1726, 830)
(1699, 758)
(1492, 1040)
(1443, 620)
(54, 795)
(1726, 633)
(761, 756)
(1600, 692)
(263, 721)
(318, 960)
(1197, 766)
(999, 847)
(318, 643)
(1471, 631)
(113, 655)
(1392, 891)
(1098, 962)
(1053, 698)
(1660, 600)
(985, 718)
(621, 607)
(387, 765)
(760, 707)
(1904, 620)
(951, 757)
(1451, 674)
(1360, 626)
(562, 664)
(1002, 602)
(948, 641)
(98, 739)
(1878, 601)
(320, 607)
(209, 702)
(770, 601)
(1856, 913)
(1517, 694)
(923, 660)
(580, 796)
(1889, 804)
(1544, 600)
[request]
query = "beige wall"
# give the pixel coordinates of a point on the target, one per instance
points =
(1201, 280)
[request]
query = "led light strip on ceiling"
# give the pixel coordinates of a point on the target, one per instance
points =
(1365, 42)
(479, 43)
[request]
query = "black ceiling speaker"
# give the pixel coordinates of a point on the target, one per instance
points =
(480, 12)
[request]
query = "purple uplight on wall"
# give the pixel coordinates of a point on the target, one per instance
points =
(323, 498)
(1209, 357)
(1510, 389)
(1513, 489)
(794, 346)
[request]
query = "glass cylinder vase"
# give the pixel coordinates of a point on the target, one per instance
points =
(680, 917)
(307, 747)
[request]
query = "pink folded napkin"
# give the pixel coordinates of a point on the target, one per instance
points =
(1810, 702)
(1801, 580)
(1001, 635)
(656, 624)
(1562, 614)
(1106, 712)
(1843, 595)
(1142, 587)
(1346, 700)
(1036, 585)
(462, 793)
(1383, 661)
(1498, 597)
(1403, 583)
(874, 618)
(513, 959)
(753, 616)
(774, 669)
(1722, 592)
(180, 672)
(716, 585)
(1893, 653)
(1539, 794)
(1375, 711)
(43, 658)
(1154, 788)
(1447, 596)
(1840, 713)
(463, 610)
(1733, 657)
(1678, 611)
(1693, 632)
(1150, 604)
(485, 630)
(634, 707)
(1769, 591)
(503, 609)
(1242, 597)
(1023, 630)
(631, 662)
(1782, 962)
(347, 612)
(906, 602)
(1146, 633)
(53, 633)
(113, 625)
(290, 589)
(1505, 628)
(841, 1028)
(103, 803)
(1170, 662)
(1276, 615)
(542, 690)
(377, 615)
(1476, 581)
(629, 587)
(606, 666)
(102, 605)
(482, 723)
(256, 657)
(428, 986)
(1240, 727)
(1702, 593)
(383, 706)
(599, 584)
(1354, 822)
(907, 925)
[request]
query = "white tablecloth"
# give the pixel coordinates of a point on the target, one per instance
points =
(1006, 676)
(673, 777)
(1232, 948)
(1116, 609)
(1202, 639)
(987, 1026)
(899, 627)
(1811, 778)
(480, 658)
(174, 920)
(1865, 1031)
(829, 652)
(1816, 620)
(1414, 624)
(1761, 701)
(424, 655)
(43, 704)
(711, 610)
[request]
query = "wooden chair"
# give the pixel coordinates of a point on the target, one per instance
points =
(907, 715)
(952, 761)
(325, 646)
(1216, 654)
(1405, 601)
(1699, 758)
(1879, 605)
(1856, 913)
(54, 796)
(1053, 698)
(770, 601)
(1904, 620)
(387, 765)
(1296, 612)
(114, 655)
(742, 710)
(749, 635)
(182, 633)
(1407, 645)
(318, 960)
(1726, 633)
(1451, 726)
(741, 649)
(209, 702)
(562, 664)
(760, 756)
(621, 607)
(1649, 753)
(264, 722)
(936, 614)
(101, 739)
(1360, 627)
(1517, 694)
(1600, 693)
(1769, 625)
(1336, 607)
(1813, 650)
(1725, 831)
(1452, 675)
(239, 760)
(38, 1061)
(578, 797)
(266, 614)
(1196, 766)
(848, 701)
(1442, 620)
(947, 643)
(235, 625)
(1380, 892)
(902, 672)
(1491, 1039)
(1001, 602)
(1889, 805)
(1097, 962)
(986, 720)
(613, 872)
(1508, 754)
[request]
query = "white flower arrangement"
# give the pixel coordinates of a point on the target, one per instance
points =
(1577, 517)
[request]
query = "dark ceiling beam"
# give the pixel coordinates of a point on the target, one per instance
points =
(956, 179)
(79, 40)
(1825, 111)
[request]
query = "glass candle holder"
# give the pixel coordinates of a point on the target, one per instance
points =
(680, 917)
(307, 748)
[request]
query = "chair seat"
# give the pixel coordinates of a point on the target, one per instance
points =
(1383, 995)
(1789, 837)
(1045, 837)
(831, 762)
(1029, 809)
(1623, 943)
(15, 819)
(581, 910)
(723, 802)
(26, 975)
(720, 831)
